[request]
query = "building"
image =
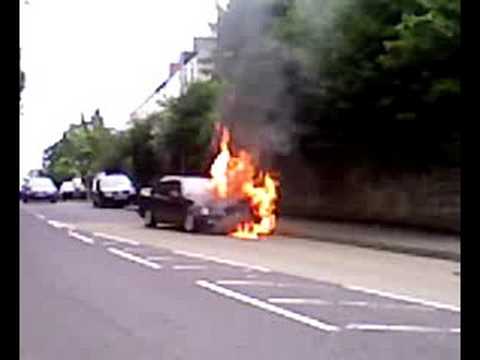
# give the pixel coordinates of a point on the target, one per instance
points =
(196, 65)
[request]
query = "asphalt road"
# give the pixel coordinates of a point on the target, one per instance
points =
(95, 285)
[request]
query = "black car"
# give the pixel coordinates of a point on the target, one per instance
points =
(189, 202)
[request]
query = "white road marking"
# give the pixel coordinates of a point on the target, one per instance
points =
(405, 298)
(268, 307)
(81, 237)
(134, 258)
(262, 283)
(400, 328)
(189, 267)
(222, 261)
(297, 301)
(40, 216)
(159, 258)
(116, 238)
(354, 303)
(314, 301)
(60, 225)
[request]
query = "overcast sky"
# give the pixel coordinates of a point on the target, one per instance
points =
(79, 55)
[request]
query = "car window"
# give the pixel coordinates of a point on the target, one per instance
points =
(165, 187)
(198, 189)
(42, 184)
(67, 186)
(116, 180)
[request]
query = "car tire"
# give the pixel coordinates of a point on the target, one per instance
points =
(53, 200)
(189, 223)
(25, 200)
(149, 219)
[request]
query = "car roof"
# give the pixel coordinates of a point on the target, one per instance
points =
(182, 177)
(41, 178)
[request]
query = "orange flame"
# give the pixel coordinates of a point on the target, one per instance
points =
(234, 177)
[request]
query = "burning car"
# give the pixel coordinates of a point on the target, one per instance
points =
(237, 198)
(190, 202)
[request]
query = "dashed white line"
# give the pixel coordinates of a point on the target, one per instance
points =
(295, 301)
(60, 225)
(262, 283)
(316, 301)
(400, 328)
(81, 237)
(354, 303)
(116, 238)
(159, 258)
(134, 258)
(221, 261)
(40, 216)
(405, 298)
(189, 267)
(268, 307)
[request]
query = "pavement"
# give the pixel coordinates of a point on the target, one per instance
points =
(95, 284)
(415, 242)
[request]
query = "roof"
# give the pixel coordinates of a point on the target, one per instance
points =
(182, 177)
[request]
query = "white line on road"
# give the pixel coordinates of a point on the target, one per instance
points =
(405, 298)
(80, 237)
(315, 301)
(134, 258)
(262, 283)
(268, 307)
(40, 216)
(297, 301)
(159, 258)
(222, 261)
(400, 328)
(116, 238)
(60, 225)
(189, 267)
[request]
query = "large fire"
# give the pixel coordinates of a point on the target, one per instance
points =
(235, 176)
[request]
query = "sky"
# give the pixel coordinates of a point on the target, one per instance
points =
(87, 54)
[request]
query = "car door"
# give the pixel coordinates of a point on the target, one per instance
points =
(164, 201)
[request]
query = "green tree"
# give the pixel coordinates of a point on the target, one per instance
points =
(184, 129)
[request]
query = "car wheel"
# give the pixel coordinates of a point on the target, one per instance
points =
(25, 200)
(149, 219)
(189, 223)
(53, 200)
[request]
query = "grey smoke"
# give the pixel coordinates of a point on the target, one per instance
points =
(257, 105)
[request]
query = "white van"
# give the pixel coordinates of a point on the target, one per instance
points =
(112, 190)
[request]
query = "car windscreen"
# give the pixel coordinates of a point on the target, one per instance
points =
(42, 184)
(198, 189)
(67, 186)
(116, 181)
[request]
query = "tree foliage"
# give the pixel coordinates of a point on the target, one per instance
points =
(175, 139)
(371, 80)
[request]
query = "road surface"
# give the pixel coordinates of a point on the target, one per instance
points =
(94, 284)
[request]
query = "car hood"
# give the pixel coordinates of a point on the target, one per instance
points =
(117, 188)
(219, 204)
(45, 190)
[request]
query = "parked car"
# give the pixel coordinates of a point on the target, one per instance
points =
(39, 188)
(112, 190)
(189, 202)
(72, 190)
